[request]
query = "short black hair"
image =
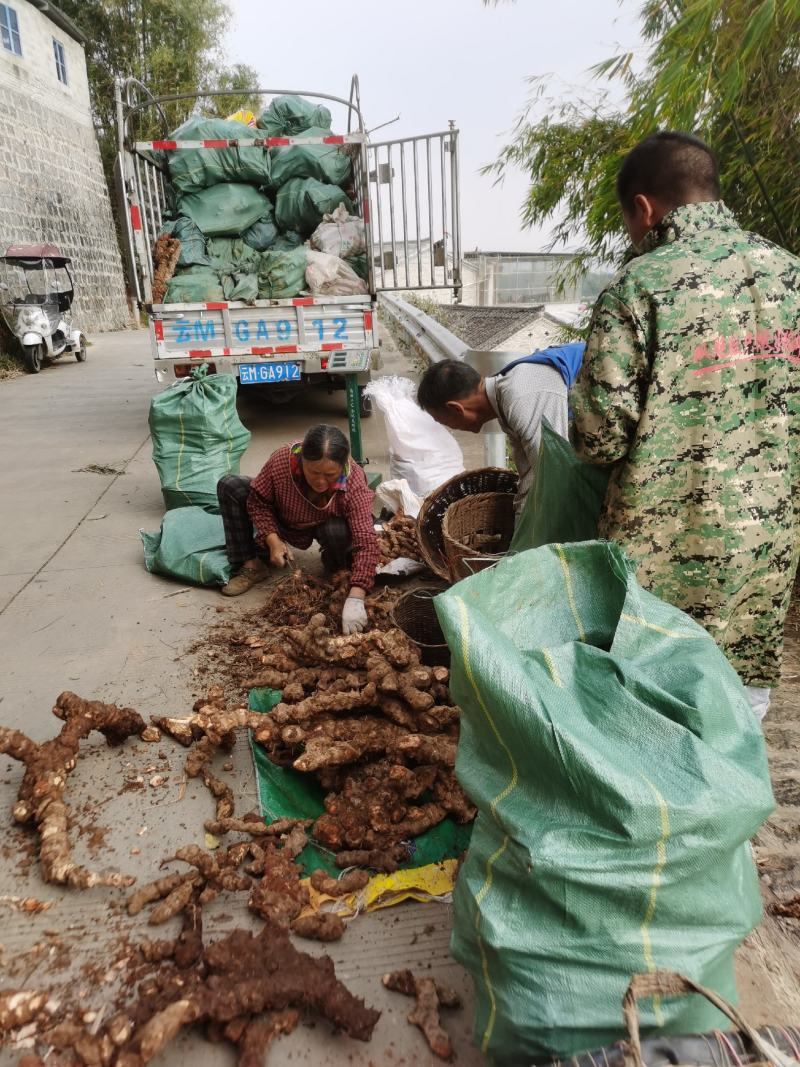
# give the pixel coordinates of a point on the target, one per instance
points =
(325, 442)
(448, 380)
(677, 168)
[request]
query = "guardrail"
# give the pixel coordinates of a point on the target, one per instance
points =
(437, 343)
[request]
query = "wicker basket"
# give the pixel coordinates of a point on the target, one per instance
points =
(431, 515)
(477, 532)
(415, 615)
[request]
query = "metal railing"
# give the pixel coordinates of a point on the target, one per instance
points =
(436, 343)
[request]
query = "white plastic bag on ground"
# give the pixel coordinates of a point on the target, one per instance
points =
(395, 495)
(420, 450)
(330, 276)
(340, 234)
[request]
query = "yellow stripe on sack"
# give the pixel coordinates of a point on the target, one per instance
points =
(226, 414)
(661, 862)
(501, 796)
(180, 452)
(200, 567)
(573, 607)
(551, 666)
(659, 629)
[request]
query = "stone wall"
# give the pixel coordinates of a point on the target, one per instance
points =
(52, 186)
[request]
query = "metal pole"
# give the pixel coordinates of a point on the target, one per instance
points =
(354, 418)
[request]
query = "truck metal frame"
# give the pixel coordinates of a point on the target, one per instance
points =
(413, 240)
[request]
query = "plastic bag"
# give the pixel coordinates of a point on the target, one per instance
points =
(420, 450)
(245, 116)
(197, 437)
(193, 245)
(262, 234)
(225, 209)
(195, 285)
(302, 203)
(190, 546)
(340, 234)
(566, 498)
(325, 162)
(618, 773)
(282, 274)
(289, 116)
(395, 495)
(330, 276)
(193, 169)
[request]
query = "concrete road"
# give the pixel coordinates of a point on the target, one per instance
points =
(78, 611)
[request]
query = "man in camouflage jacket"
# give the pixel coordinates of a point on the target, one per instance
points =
(690, 390)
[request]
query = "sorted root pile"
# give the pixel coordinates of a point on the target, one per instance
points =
(166, 253)
(398, 539)
(243, 988)
(429, 997)
(40, 801)
(376, 727)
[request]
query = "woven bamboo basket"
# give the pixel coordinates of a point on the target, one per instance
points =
(432, 512)
(477, 532)
(415, 615)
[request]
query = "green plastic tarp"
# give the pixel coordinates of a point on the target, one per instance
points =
(190, 546)
(360, 266)
(194, 285)
(619, 774)
(262, 234)
(193, 169)
(289, 116)
(193, 245)
(197, 437)
(301, 203)
(282, 274)
(566, 497)
(325, 162)
(225, 210)
(286, 793)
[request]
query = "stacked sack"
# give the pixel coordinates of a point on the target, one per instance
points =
(263, 223)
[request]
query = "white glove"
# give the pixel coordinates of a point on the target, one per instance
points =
(354, 615)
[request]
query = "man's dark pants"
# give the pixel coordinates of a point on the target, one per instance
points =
(233, 490)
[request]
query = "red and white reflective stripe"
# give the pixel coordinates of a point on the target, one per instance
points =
(216, 306)
(159, 146)
(136, 217)
(332, 347)
(333, 140)
(367, 320)
(215, 144)
(226, 351)
(247, 142)
(275, 350)
(366, 211)
(303, 301)
(199, 353)
(158, 329)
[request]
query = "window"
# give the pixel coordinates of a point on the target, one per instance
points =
(61, 61)
(9, 30)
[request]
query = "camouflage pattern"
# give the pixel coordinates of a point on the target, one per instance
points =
(690, 388)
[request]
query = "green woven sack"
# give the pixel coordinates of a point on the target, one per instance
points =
(325, 162)
(193, 245)
(301, 203)
(197, 437)
(619, 773)
(194, 285)
(262, 234)
(289, 116)
(190, 546)
(285, 242)
(225, 210)
(282, 274)
(232, 254)
(192, 169)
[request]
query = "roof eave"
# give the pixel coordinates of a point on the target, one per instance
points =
(64, 22)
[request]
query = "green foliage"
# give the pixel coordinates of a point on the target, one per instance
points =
(714, 67)
(170, 46)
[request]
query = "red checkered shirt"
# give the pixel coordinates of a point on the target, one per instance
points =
(277, 505)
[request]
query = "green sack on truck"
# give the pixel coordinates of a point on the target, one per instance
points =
(290, 116)
(193, 245)
(195, 285)
(225, 210)
(192, 169)
(301, 203)
(282, 274)
(287, 241)
(263, 233)
(619, 774)
(231, 255)
(190, 546)
(197, 437)
(325, 162)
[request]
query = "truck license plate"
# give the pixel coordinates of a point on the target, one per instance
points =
(268, 373)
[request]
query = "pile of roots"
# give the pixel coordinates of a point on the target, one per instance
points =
(398, 539)
(376, 727)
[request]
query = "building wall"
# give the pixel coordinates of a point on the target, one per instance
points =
(52, 186)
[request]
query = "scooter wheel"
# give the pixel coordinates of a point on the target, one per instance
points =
(32, 356)
(80, 353)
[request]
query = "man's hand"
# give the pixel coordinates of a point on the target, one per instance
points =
(279, 552)
(354, 613)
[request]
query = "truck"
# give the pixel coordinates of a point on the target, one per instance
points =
(407, 194)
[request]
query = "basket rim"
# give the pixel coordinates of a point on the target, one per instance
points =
(422, 593)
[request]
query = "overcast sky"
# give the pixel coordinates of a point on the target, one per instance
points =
(435, 60)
